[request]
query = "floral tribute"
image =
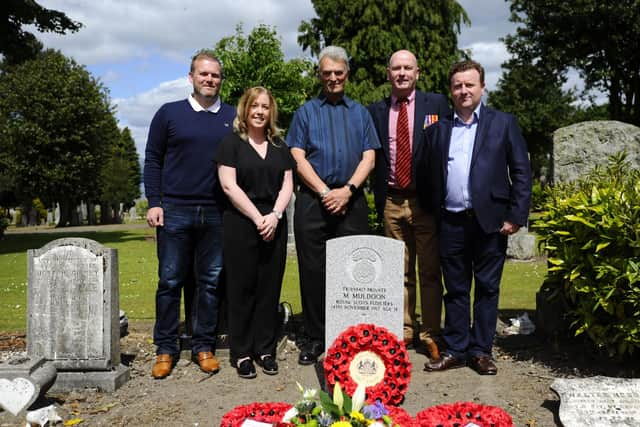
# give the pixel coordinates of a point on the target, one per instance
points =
(463, 414)
(370, 355)
(319, 410)
(264, 412)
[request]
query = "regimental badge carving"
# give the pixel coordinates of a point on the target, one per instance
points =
(364, 265)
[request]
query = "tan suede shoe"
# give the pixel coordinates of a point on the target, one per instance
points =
(207, 361)
(163, 366)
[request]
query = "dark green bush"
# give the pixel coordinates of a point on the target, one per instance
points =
(591, 232)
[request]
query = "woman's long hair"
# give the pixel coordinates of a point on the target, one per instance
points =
(272, 131)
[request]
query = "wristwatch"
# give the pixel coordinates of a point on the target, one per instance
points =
(277, 213)
(351, 187)
(324, 192)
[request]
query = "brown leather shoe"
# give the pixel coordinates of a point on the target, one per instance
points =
(446, 361)
(207, 361)
(483, 365)
(430, 347)
(163, 366)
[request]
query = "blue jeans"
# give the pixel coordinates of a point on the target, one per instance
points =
(189, 245)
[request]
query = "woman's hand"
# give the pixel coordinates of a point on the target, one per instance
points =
(267, 226)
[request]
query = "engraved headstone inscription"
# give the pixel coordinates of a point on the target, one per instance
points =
(365, 284)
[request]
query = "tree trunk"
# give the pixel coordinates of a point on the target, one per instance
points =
(91, 213)
(105, 213)
(65, 213)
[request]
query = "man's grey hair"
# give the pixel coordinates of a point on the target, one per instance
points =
(335, 53)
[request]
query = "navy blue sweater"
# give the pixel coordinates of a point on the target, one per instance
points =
(178, 165)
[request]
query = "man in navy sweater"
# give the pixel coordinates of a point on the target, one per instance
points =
(184, 205)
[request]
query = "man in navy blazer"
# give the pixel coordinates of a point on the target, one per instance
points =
(475, 170)
(396, 199)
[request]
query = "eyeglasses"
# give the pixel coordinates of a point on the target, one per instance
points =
(327, 73)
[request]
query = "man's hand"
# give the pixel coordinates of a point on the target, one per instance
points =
(509, 228)
(335, 202)
(155, 217)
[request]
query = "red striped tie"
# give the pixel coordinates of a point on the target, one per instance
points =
(403, 147)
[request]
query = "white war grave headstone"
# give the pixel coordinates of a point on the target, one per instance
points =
(364, 284)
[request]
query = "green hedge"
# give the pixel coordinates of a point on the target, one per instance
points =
(591, 232)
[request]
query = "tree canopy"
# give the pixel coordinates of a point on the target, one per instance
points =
(58, 130)
(371, 31)
(600, 39)
(16, 44)
(257, 60)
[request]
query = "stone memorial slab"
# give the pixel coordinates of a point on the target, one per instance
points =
(598, 401)
(364, 284)
(72, 309)
(16, 395)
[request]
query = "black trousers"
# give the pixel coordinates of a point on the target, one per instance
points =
(313, 226)
(254, 270)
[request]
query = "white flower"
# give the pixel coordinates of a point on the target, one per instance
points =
(338, 399)
(358, 398)
(288, 416)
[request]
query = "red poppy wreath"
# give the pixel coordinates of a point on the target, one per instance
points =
(462, 414)
(265, 412)
(370, 355)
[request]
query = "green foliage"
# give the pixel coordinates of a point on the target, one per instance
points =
(371, 31)
(375, 224)
(121, 173)
(591, 232)
(18, 45)
(257, 60)
(599, 39)
(58, 129)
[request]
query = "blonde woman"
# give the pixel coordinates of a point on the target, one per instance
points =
(255, 171)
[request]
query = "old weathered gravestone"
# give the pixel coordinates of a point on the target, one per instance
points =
(578, 148)
(598, 401)
(365, 284)
(73, 315)
(521, 245)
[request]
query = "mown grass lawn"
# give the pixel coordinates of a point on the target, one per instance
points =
(138, 274)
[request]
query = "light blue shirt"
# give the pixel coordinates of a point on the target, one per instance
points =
(463, 135)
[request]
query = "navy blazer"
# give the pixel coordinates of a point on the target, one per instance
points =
(500, 174)
(426, 103)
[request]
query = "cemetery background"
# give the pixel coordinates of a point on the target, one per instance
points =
(527, 364)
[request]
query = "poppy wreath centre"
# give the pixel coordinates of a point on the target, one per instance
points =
(266, 412)
(371, 355)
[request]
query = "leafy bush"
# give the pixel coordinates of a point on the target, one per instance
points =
(375, 224)
(591, 232)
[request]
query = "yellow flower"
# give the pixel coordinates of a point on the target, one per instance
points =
(341, 424)
(358, 416)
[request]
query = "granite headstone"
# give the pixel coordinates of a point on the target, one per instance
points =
(72, 313)
(364, 284)
(598, 401)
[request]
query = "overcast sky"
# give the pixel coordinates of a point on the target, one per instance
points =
(140, 49)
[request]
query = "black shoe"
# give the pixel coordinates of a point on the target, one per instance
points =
(446, 361)
(268, 364)
(246, 369)
(310, 352)
(483, 365)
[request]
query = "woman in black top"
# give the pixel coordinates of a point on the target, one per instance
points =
(255, 171)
